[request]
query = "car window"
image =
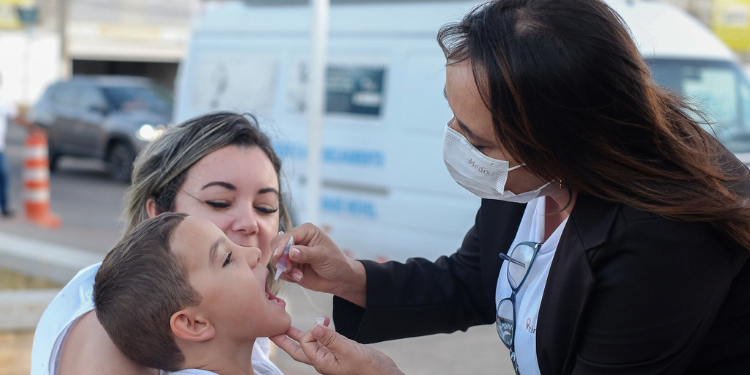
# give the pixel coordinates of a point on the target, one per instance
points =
(132, 98)
(68, 96)
(92, 97)
(49, 93)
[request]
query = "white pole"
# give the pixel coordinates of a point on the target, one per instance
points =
(316, 99)
(27, 66)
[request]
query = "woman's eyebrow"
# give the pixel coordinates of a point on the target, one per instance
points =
(220, 183)
(467, 132)
(268, 190)
(212, 252)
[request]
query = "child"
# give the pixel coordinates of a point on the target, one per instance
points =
(176, 294)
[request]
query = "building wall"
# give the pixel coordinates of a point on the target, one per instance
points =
(140, 37)
(129, 30)
(703, 11)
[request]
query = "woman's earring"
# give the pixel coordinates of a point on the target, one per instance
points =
(559, 182)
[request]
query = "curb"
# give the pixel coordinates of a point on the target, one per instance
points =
(22, 309)
(43, 259)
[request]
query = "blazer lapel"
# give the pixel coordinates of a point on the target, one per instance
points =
(570, 282)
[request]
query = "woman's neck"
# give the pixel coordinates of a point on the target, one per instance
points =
(557, 208)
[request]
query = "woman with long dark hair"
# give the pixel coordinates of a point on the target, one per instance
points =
(614, 231)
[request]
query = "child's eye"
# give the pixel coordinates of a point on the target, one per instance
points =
(218, 204)
(227, 260)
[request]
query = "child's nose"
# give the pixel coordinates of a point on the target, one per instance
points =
(253, 256)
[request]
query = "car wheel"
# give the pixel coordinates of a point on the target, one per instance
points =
(120, 160)
(53, 156)
(54, 159)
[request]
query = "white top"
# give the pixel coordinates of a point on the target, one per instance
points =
(7, 110)
(194, 371)
(529, 296)
(191, 371)
(76, 299)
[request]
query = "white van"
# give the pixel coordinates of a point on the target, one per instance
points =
(688, 59)
(386, 193)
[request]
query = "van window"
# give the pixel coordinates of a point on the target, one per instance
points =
(356, 90)
(745, 104)
(719, 88)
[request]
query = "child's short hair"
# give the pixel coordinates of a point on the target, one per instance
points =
(138, 287)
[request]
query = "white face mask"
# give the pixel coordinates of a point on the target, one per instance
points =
(478, 173)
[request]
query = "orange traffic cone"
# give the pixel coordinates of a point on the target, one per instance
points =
(36, 181)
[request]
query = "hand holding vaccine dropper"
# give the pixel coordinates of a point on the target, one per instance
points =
(284, 263)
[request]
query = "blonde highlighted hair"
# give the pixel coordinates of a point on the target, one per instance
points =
(161, 169)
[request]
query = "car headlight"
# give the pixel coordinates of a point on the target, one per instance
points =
(149, 132)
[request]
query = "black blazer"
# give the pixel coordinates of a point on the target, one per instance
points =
(628, 292)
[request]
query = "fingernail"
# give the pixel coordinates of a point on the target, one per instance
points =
(320, 320)
(294, 253)
(317, 331)
(296, 277)
(281, 232)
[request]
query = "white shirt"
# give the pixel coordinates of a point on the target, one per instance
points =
(7, 110)
(529, 297)
(191, 371)
(76, 299)
(195, 371)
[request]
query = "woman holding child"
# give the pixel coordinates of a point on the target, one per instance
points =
(218, 167)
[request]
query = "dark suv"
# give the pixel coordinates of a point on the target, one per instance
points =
(106, 117)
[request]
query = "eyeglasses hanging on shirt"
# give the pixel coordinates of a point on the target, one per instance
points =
(520, 259)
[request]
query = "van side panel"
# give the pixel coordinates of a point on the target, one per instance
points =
(386, 192)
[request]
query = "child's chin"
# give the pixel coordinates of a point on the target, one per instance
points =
(284, 323)
(287, 319)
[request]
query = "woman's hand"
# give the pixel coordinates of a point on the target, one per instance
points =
(333, 354)
(318, 264)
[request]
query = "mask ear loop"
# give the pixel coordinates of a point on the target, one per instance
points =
(516, 167)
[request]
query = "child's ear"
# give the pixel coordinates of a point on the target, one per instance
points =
(188, 325)
(151, 208)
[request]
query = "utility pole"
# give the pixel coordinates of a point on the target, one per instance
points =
(62, 27)
(317, 95)
(28, 17)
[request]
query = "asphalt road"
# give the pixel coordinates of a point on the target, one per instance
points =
(81, 194)
(89, 205)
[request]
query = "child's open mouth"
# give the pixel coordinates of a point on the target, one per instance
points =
(273, 298)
